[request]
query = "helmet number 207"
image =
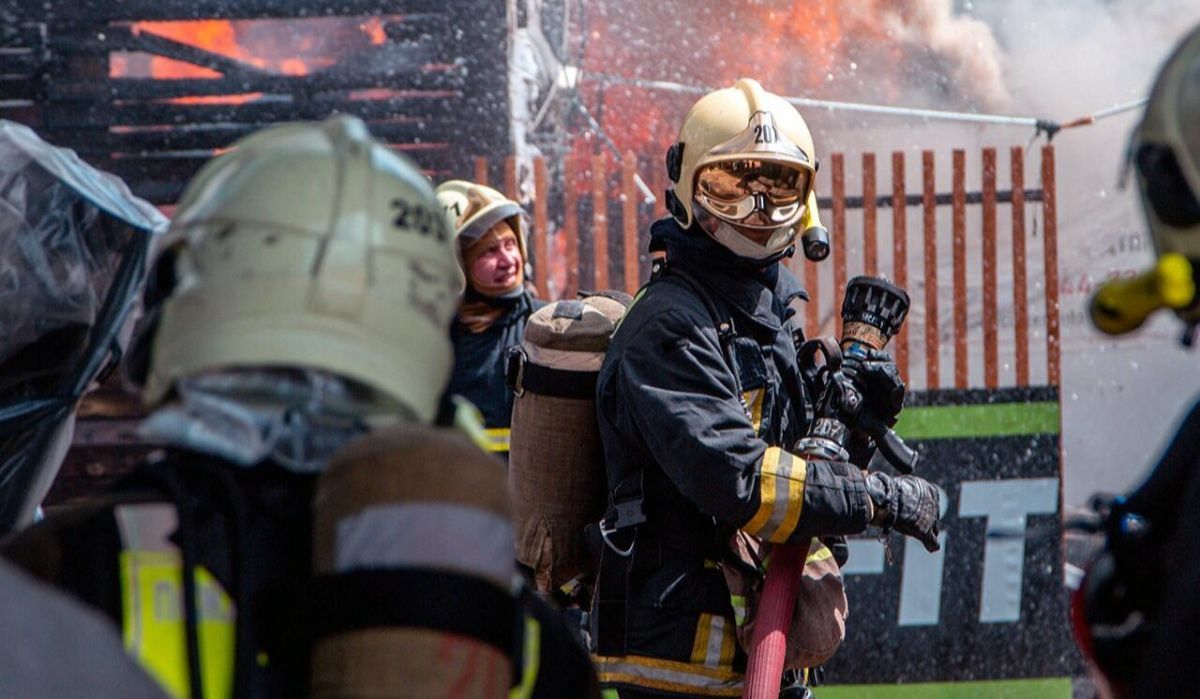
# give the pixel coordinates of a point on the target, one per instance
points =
(765, 133)
(418, 218)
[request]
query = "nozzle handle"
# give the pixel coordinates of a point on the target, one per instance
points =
(897, 453)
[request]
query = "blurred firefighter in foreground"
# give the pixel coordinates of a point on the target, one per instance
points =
(496, 304)
(73, 247)
(700, 399)
(309, 530)
(1137, 614)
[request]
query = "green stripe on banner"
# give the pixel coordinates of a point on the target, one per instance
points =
(967, 421)
(1051, 688)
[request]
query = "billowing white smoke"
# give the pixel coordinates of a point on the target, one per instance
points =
(965, 47)
(917, 52)
(1056, 60)
(1064, 59)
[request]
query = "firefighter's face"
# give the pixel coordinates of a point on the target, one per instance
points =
(497, 258)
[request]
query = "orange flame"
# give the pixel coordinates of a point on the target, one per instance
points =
(812, 48)
(298, 49)
(293, 66)
(374, 30)
(213, 35)
(302, 47)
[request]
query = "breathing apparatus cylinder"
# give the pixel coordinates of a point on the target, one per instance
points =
(412, 594)
(556, 462)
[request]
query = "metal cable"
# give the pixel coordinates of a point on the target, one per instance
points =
(1047, 126)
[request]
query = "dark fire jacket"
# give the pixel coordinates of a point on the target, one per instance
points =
(479, 364)
(708, 430)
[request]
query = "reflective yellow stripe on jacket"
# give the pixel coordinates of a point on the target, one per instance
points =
(781, 496)
(154, 629)
(530, 660)
(497, 439)
(669, 676)
(753, 400)
(715, 641)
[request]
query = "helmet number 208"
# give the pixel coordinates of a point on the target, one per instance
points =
(417, 218)
(765, 133)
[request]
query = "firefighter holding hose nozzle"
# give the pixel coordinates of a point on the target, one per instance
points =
(1136, 613)
(702, 403)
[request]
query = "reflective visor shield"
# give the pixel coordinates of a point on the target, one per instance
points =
(755, 193)
(758, 179)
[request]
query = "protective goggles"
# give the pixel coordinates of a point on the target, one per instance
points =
(754, 192)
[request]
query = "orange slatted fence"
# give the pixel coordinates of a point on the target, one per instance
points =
(900, 254)
(1050, 257)
(541, 227)
(600, 221)
(959, 240)
(839, 235)
(481, 170)
(576, 212)
(870, 232)
(510, 179)
(929, 205)
(570, 228)
(630, 238)
(991, 330)
(1020, 295)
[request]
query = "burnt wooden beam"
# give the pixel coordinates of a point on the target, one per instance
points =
(223, 135)
(148, 42)
(166, 10)
(24, 61)
(150, 88)
(84, 40)
(21, 88)
(28, 113)
(101, 115)
(169, 191)
(180, 167)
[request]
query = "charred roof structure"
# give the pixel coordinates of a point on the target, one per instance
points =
(150, 89)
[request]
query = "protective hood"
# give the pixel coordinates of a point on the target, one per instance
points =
(73, 248)
(757, 291)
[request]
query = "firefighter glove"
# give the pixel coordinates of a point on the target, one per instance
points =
(878, 380)
(908, 504)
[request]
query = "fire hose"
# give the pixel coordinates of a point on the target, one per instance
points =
(872, 312)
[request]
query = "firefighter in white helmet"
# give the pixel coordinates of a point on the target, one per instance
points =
(303, 303)
(497, 302)
(1137, 615)
(700, 399)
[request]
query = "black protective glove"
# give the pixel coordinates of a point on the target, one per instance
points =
(878, 380)
(908, 504)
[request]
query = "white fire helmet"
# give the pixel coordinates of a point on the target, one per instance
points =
(473, 209)
(745, 158)
(1165, 154)
(312, 246)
